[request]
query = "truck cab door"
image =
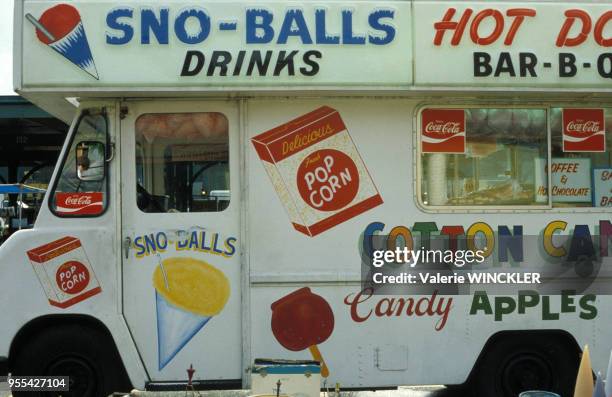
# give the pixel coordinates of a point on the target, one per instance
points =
(180, 231)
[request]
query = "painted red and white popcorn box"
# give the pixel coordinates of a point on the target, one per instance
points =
(317, 171)
(584, 130)
(91, 203)
(64, 271)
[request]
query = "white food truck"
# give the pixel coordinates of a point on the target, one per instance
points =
(231, 163)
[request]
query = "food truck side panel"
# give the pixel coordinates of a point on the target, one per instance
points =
(292, 271)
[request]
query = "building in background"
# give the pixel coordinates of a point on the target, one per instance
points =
(30, 142)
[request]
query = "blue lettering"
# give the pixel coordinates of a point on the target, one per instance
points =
(375, 23)
(214, 244)
(162, 241)
(509, 242)
(288, 29)
(230, 249)
(193, 242)
(112, 21)
(322, 36)
(139, 246)
(149, 243)
(181, 245)
(347, 29)
(203, 246)
(582, 244)
(258, 29)
(150, 22)
(194, 37)
(369, 232)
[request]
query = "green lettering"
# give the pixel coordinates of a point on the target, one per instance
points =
(504, 305)
(589, 311)
(546, 313)
(480, 302)
(527, 299)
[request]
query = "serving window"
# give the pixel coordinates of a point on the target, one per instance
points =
(498, 157)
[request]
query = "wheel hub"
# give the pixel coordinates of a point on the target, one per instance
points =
(82, 380)
(526, 372)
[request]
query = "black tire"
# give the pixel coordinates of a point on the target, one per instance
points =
(83, 353)
(517, 363)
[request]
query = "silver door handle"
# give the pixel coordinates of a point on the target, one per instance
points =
(127, 244)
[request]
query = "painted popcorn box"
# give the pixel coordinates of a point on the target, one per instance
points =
(317, 171)
(64, 272)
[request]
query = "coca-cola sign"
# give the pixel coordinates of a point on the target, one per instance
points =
(443, 131)
(91, 203)
(584, 130)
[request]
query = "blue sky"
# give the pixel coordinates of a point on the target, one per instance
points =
(6, 47)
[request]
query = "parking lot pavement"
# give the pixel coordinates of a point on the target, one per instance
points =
(414, 391)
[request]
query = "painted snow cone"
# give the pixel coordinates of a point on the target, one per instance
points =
(60, 27)
(188, 293)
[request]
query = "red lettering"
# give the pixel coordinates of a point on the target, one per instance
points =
(419, 311)
(379, 307)
(499, 26)
(447, 24)
(354, 303)
(519, 15)
(452, 232)
(599, 28)
(570, 18)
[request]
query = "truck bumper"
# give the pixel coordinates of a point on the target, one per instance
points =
(3, 366)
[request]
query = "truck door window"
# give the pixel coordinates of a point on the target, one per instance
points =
(483, 157)
(74, 196)
(182, 162)
(581, 169)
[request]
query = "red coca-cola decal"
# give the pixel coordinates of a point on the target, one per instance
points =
(584, 130)
(79, 203)
(72, 277)
(443, 131)
(328, 180)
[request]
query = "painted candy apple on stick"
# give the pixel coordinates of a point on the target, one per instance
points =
(302, 320)
(60, 27)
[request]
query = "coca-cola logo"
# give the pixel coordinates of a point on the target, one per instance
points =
(581, 126)
(90, 203)
(441, 127)
(584, 130)
(78, 200)
(443, 131)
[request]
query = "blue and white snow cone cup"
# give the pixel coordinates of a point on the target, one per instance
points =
(75, 47)
(175, 328)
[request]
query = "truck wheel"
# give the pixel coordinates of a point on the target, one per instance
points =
(77, 351)
(517, 363)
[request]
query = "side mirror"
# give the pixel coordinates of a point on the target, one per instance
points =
(90, 161)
